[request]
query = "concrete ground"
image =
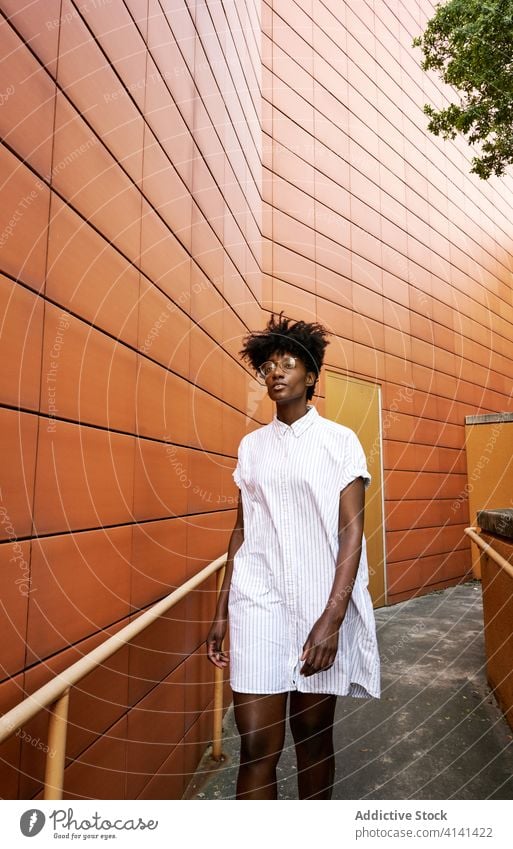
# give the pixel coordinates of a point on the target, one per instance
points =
(436, 732)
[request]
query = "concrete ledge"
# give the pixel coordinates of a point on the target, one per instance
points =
(489, 418)
(498, 522)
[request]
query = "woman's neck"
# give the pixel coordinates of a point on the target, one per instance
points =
(291, 412)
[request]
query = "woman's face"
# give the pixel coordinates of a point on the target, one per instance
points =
(286, 383)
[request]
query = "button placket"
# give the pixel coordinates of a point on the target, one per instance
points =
(289, 576)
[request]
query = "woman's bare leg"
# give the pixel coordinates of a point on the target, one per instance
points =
(260, 721)
(311, 723)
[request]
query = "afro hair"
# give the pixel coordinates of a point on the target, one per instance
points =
(305, 340)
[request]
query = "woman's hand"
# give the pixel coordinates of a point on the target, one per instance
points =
(321, 646)
(214, 642)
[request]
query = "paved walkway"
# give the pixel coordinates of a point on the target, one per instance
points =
(436, 732)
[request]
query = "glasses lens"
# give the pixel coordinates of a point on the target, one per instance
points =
(267, 368)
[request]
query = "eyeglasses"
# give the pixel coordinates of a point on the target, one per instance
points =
(267, 368)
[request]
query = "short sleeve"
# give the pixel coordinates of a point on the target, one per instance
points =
(354, 464)
(236, 474)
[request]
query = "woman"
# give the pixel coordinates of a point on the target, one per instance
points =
(295, 587)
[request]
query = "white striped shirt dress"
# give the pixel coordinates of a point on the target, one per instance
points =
(290, 477)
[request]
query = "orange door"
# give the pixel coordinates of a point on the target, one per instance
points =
(357, 404)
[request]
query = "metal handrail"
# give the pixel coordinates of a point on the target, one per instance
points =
(489, 550)
(55, 693)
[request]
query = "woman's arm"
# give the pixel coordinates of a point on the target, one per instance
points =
(218, 628)
(322, 643)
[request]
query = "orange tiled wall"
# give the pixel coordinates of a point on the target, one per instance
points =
(131, 256)
(377, 229)
(171, 172)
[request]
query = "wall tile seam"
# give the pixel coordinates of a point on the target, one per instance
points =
(474, 302)
(25, 411)
(469, 182)
(402, 464)
(120, 252)
(467, 384)
(405, 595)
(139, 438)
(241, 29)
(435, 446)
(463, 168)
(130, 648)
(187, 776)
(412, 503)
(100, 46)
(444, 175)
(327, 117)
(447, 477)
(314, 80)
(301, 14)
(437, 584)
(248, 54)
(235, 90)
(405, 89)
(417, 561)
(442, 559)
(396, 523)
(127, 346)
(59, 89)
(43, 661)
(126, 741)
(398, 537)
(391, 441)
(383, 216)
(37, 58)
(136, 523)
(346, 81)
(54, 79)
(404, 525)
(395, 446)
(464, 212)
(410, 309)
(450, 221)
(405, 231)
(433, 395)
(116, 247)
(22, 410)
(446, 563)
(449, 471)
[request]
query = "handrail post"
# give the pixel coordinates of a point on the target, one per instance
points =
(217, 733)
(56, 755)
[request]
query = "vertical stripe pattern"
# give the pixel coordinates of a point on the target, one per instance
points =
(290, 477)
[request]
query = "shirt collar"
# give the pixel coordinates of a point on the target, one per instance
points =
(299, 426)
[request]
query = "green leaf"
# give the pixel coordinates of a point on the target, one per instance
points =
(470, 45)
